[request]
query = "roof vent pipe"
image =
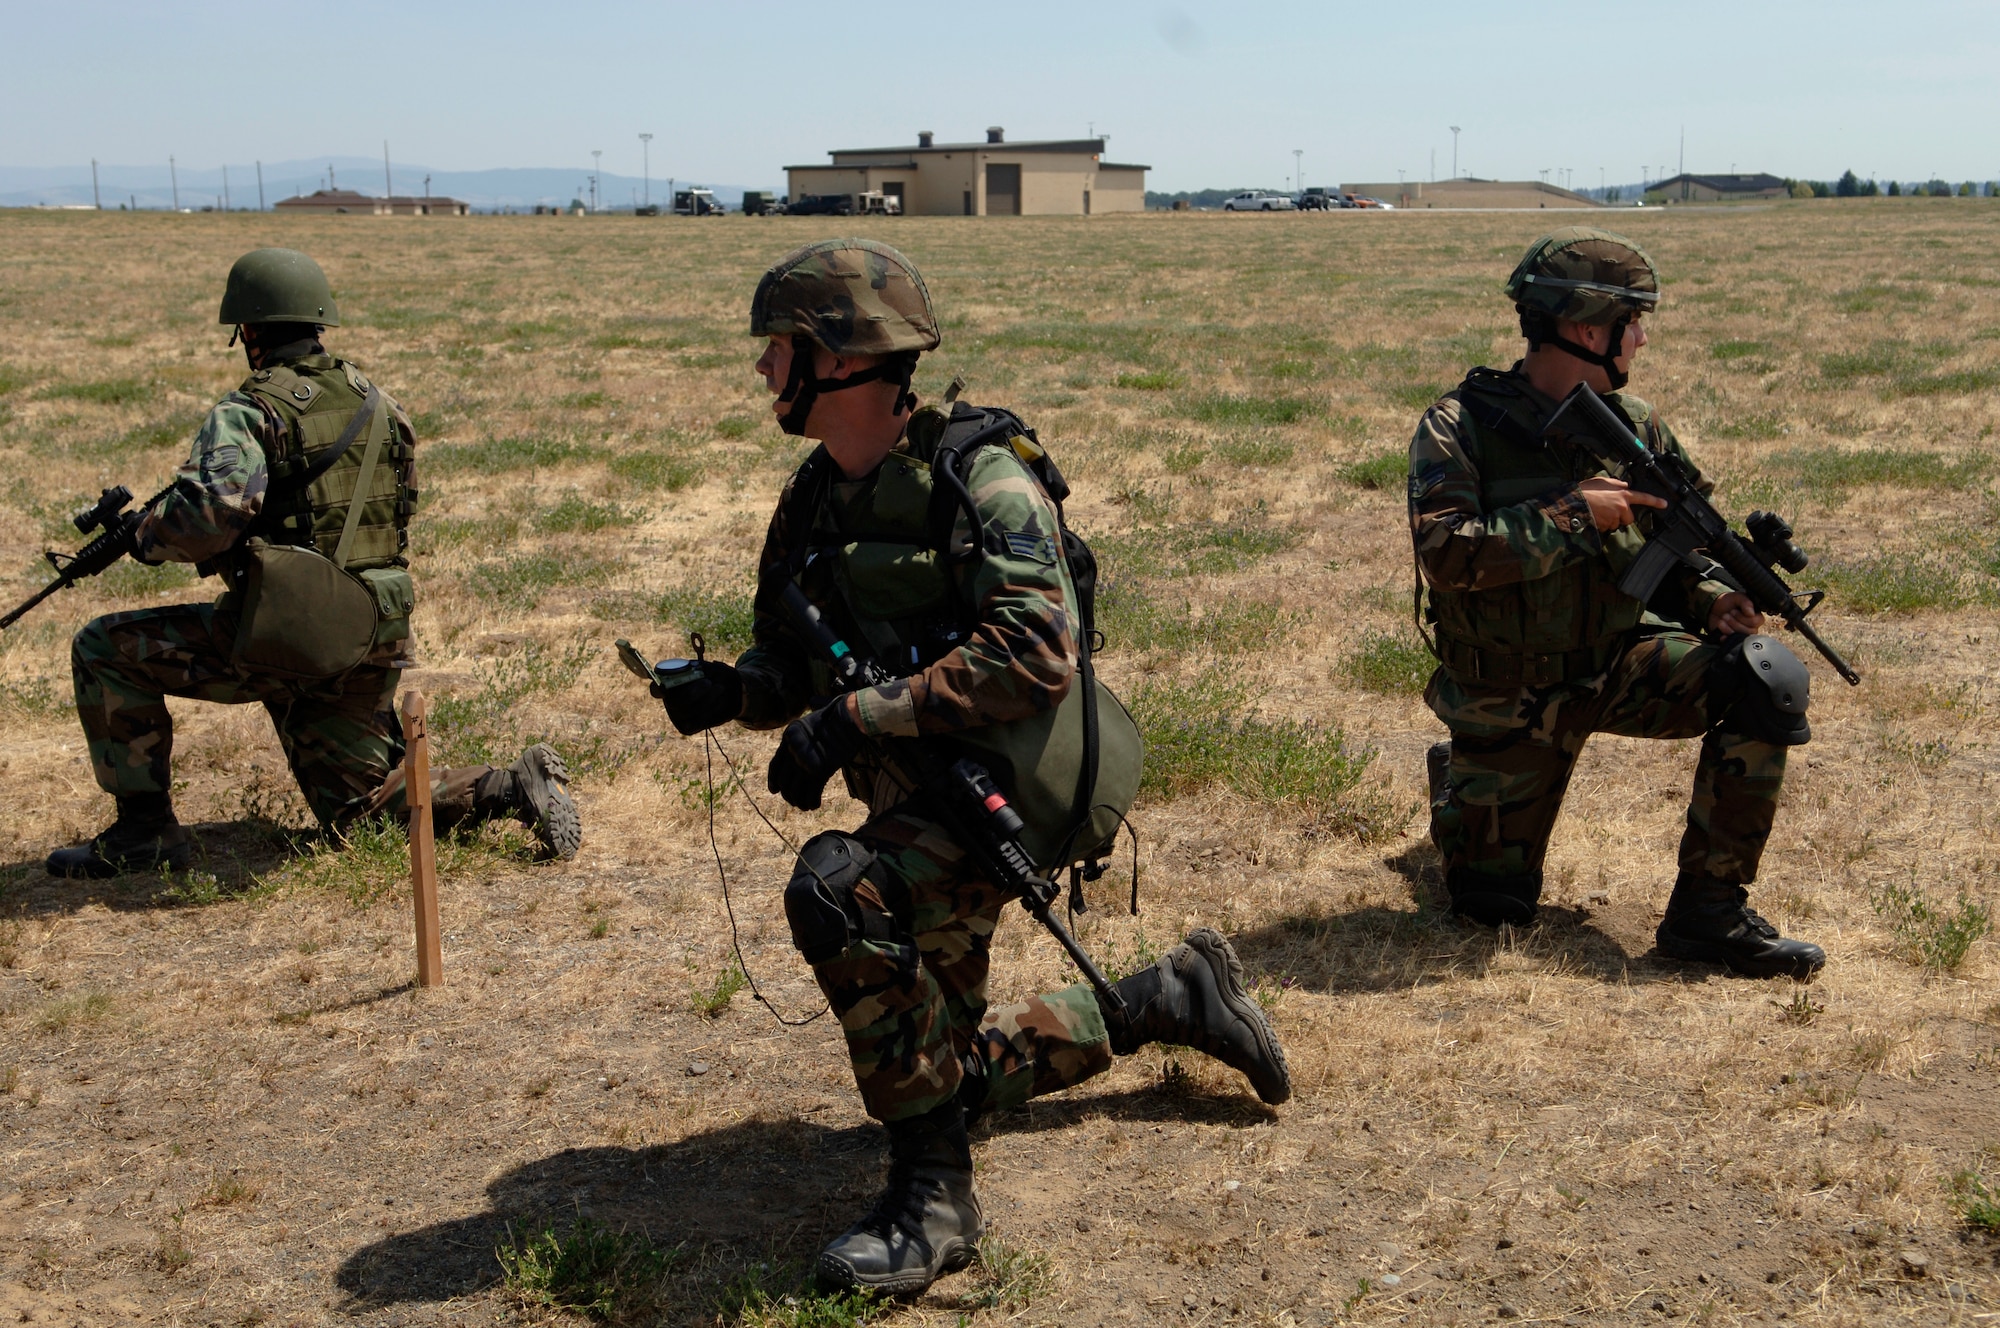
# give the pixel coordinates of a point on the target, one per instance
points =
(995, 134)
(923, 138)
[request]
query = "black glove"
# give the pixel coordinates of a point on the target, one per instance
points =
(705, 694)
(812, 749)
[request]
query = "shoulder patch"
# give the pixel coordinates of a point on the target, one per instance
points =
(1031, 546)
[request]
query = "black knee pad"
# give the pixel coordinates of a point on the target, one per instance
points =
(1764, 690)
(825, 916)
(1492, 900)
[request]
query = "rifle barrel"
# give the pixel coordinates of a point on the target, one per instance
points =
(34, 599)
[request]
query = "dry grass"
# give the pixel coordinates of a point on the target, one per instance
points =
(221, 1101)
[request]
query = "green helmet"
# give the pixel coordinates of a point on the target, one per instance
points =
(1585, 276)
(278, 286)
(851, 296)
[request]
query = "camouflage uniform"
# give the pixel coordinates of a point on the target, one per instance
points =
(1540, 649)
(914, 1004)
(342, 737)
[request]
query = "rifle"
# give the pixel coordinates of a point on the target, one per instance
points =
(1690, 527)
(962, 795)
(119, 528)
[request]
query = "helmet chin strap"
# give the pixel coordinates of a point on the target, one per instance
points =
(802, 389)
(1607, 359)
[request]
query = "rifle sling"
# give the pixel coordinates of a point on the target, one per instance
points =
(369, 410)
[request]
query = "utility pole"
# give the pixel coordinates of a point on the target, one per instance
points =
(646, 164)
(260, 186)
(427, 190)
(225, 186)
(174, 175)
(1454, 152)
(95, 197)
(387, 188)
(596, 174)
(1683, 169)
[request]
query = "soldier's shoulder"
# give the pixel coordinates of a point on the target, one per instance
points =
(1637, 409)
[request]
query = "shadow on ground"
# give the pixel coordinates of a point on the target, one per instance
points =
(759, 1189)
(234, 853)
(1377, 948)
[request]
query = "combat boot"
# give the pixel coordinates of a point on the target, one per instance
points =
(1711, 921)
(1194, 997)
(532, 791)
(928, 1220)
(1437, 768)
(145, 837)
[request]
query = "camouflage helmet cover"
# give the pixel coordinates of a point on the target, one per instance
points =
(851, 296)
(278, 286)
(1584, 275)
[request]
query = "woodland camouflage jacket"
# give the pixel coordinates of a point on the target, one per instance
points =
(1523, 586)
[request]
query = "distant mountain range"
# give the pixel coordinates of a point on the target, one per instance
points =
(153, 187)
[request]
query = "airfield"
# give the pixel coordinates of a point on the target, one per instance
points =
(223, 1102)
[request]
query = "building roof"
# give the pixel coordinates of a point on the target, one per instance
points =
(1726, 184)
(1090, 145)
(350, 198)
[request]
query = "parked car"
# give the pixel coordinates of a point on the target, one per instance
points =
(1317, 199)
(758, 203)
(821, 205)
(1258, 200)
(1363, 201)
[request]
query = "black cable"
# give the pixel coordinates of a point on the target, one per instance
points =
(710, 746)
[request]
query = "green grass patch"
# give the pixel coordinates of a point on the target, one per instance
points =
(1417, 396)
(1978, 1208)
(576, 514)
(491, 455)
(1183, 460)
(593, 400)
(1388, 471)
(779, 1296)
(724, 618)
(1155, 380)
(128, 577)
(1391, 663)
(1731, 351)
(1932, 934)
(1253, 452)
(37, 698)
(433, 534)
(1756, 425)
(12, 379)
(1239, 411)
(175, 430)
(1206, 733)
(1010, 1277)
(111, 392)
(735, 426)
(1957, 383)
(1837, 469)
(1133, 615)
(655, 470)
(1890, 583)
(714, 1000)
(491, 723)
(1291, 369)
(524, 578)
(589, 1269)
(68, 1012)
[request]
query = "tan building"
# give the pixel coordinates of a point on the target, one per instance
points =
(327, 201)
(1715, 188)
(1055, 178)
(1473, 194)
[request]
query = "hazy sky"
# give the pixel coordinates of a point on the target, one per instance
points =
(1208, 94)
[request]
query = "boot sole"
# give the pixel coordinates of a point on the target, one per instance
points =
(957, 1254)
(1221, 957)
(556, 822)
(104, 869)
(1704, 952)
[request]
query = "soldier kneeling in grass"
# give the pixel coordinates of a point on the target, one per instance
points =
(970, 610)
(299, 494)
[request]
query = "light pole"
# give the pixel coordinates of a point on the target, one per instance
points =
(1454, 152)
(1298, 169)
(260, 186)
(646, 166)
(596, 174)
(173, 174)
(95, 197)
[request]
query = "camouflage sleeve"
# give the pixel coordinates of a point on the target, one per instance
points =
(1701, 594)
(219, 489)
(1022, 655)
(777, 685)
(1462, 548)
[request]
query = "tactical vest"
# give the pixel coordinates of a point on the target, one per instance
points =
(316, 397)
(871, 554)
(1562, 627)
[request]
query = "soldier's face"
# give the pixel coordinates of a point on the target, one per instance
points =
(776, 366)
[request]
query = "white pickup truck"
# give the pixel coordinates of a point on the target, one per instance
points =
(1259, 200)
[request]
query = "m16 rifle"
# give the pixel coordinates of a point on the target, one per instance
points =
(1690, 531)
(961, 794)
(118, 526)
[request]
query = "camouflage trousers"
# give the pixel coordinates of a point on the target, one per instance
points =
(913, 1007)
(342, 738)
(1512, 751)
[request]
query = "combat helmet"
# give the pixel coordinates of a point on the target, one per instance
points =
(278, 286)
(1583, 275)
(853, 297)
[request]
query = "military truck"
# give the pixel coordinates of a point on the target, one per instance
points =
(758, 203)
(696, 203)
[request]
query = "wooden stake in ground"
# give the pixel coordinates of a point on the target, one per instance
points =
(423, 844)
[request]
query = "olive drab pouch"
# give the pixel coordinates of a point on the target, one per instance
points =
(304, 615)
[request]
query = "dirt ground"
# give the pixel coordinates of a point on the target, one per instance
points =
(222, 1100)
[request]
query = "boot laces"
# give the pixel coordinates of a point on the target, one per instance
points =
(1754, 922)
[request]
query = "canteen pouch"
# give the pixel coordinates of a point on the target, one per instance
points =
(395, 598)
(302, 617)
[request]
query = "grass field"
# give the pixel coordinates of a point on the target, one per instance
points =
(221, 1101)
